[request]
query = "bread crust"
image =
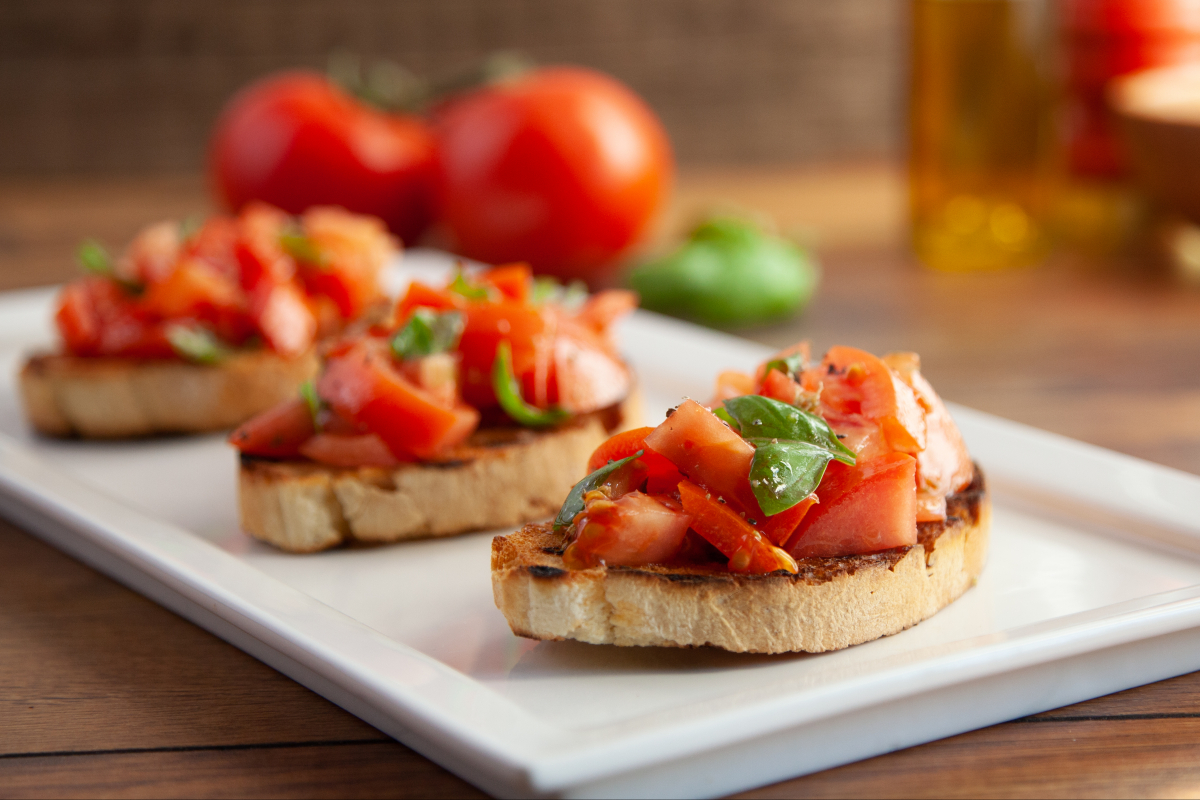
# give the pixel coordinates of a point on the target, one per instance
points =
(501, 477)
(113, 398)
(831, 603)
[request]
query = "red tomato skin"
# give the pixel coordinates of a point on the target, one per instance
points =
(296, 140)
(278, 432)
(855, 382)
(633, 530)
(564, 168)
(744, 545)
(779, 528)
(348, 450)
(364, 386)
(661, 474)
(512, 280)
(709, 453)
(780, 387)
(863, 509)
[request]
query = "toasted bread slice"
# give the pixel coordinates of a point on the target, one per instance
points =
(830, 604)
(110, 398)
(500, 477)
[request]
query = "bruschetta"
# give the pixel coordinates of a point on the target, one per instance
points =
(806, 508)
(198, 327)
(476, 406)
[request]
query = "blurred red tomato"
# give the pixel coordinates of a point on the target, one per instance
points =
(296, 140)
(562, 167)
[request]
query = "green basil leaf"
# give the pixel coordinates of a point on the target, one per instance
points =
(790, 366)
(508, 392)
(723, 415)
(428, 332)
(460, 286)
(784, 473)
(303, 249)
(574, 502)
(767, 418)
(94, 258)
(308, 392)
(545, 290)
(195, 344)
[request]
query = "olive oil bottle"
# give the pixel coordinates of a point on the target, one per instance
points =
(980, 133)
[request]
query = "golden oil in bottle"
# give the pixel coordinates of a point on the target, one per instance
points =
(981, 139)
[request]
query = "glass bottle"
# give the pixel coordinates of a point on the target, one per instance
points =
(980, 133)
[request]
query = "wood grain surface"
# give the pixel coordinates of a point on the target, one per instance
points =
(105, 694)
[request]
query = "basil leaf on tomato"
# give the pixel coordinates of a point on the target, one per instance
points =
(196, 344)
(308, 393)
(766, 418)
(784, 473)
(303, 249)
(428, 332)
(790, 366)
(94, 258)
(508, 391)
(574, 502)
(460, 286)
(792, 448)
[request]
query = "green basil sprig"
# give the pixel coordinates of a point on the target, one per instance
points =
(790, 366)
(792, 448)
(472, 292)
(196, 344)
(428, 332)
(508, 392)
(574, 502)
(312, 401)
(303, 249)
(94, 258)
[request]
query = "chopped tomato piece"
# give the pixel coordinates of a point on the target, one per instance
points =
(351, 251)
(865, 508)
(511, 280)
(527, 329)
(286, 321)
(632, 530)
(151, 255)
(780, 387)
(343, 450)
(662, 475)
(364, 386)
(854, 382)
(779, 528)
(709, 453)
(420, 295)
(732, 384)
(276, 433)
(193, 289)
(79, 316)
(587, 375)
(604, 308)
(745, 546)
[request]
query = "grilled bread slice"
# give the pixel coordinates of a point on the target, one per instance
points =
(500, 477)
(110, 398)
(830, 604)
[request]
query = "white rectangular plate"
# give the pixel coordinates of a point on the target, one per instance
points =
(1092, 585)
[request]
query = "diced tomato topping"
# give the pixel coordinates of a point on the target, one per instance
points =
(709, 453)
(511, 280)
(779, 528)
(604, 308)
(863, 509)
(352, 250)
(634, 529)
(780, 387)
(348, 450)
(285, 319)
(276, 433)
(365, 387)
(853, 382)
(747, 549)
(588, 376)
(420, 295)
(193, 289)
(528, 330)
(151, 255)
(662, 475)
(732, 384)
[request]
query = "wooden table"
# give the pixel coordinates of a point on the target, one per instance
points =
(103, 693)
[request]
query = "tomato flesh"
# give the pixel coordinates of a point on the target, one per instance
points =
(863, 509)
(348, 450)
(277, 432)
(745, 546)
(709, 453)
(661, 475)
(634, 529)
(364, 386)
